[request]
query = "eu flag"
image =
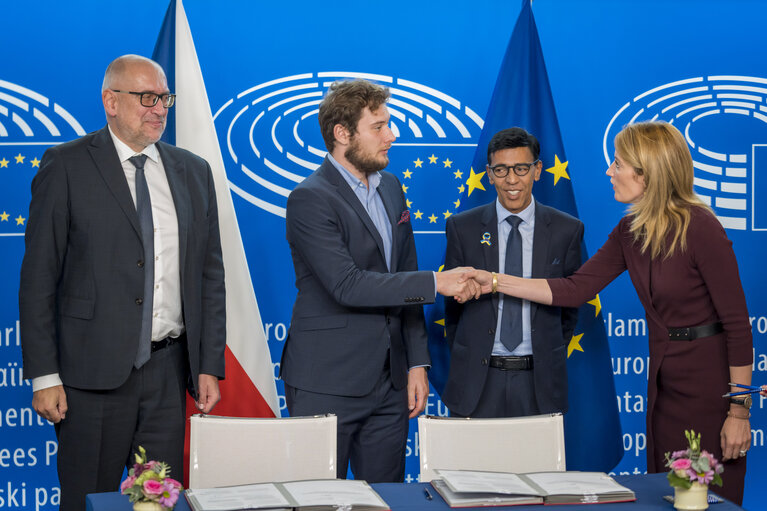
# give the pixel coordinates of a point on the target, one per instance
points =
(522, 97)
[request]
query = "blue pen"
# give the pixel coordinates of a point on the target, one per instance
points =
(730, 394)
(752, 387)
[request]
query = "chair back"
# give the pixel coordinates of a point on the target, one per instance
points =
(518, 444)
(227, 451)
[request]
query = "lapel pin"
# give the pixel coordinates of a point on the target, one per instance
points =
(486, 239)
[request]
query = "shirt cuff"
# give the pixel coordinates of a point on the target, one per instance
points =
(47, 381)
(427, 366)
(434, 274)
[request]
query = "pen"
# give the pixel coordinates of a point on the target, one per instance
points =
(744, 386)
(730, 394)
(427, 494)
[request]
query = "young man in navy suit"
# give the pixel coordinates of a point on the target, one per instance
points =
(508, 356)
(357, 344)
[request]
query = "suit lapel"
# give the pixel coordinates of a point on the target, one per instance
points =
(388, 199)
(344, 190)
(490, 252)
(541, 243)
(174, 171)
(104, 154)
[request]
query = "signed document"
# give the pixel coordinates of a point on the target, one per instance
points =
(314, 495)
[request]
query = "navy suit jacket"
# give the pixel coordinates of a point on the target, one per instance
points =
(350, 308)
(471, 327)
(82, 278)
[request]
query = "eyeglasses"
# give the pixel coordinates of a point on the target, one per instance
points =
(520, 169)
(150, 99)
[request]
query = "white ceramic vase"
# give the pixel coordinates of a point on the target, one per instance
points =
(153, 506)
(694, 498)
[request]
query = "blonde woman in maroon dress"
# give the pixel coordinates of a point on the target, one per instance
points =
(685, 273)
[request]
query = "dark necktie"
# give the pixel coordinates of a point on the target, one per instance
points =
(144, 210)
(511, 323)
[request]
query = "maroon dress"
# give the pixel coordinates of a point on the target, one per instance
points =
(687, 378)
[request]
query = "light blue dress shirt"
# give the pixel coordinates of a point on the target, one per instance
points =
(526, 230)
(371, 201)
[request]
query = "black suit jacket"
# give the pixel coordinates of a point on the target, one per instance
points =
(350, 309)
(471, 327)
(82, 278)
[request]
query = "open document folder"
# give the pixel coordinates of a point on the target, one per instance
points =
(315, 495)
(464, 488)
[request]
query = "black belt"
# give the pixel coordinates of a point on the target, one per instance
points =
(512, 363)
(168, 341)
(695, 332)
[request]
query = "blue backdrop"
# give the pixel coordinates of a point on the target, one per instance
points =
(698, 64)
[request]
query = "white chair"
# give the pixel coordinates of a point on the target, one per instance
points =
(520, 444)
(226, 451)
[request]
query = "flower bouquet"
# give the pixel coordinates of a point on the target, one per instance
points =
(691, 472)
(148, 485)
(693, 465)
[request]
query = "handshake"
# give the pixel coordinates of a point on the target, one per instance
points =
(464, 283)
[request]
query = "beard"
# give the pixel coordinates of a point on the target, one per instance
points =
(364, 163)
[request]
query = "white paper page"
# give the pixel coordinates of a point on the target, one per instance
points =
(577, 483)
(240, 497)
(469, 481)
(332, 492)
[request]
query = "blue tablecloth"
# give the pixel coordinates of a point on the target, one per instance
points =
(649, 490)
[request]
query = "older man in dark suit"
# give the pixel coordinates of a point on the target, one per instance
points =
(508, 356)
(122, 297)
(357, 344)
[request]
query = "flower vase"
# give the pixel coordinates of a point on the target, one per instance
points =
(148, 505)
(696, 497)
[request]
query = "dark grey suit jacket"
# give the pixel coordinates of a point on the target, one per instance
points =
(350, 309)
(82, 278)
(471, 327)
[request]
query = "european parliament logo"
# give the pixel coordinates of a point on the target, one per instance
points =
(29, 124)
(724, 120)
(272, 138)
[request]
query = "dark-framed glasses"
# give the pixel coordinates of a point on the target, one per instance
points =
(520, 169)
(150, 99)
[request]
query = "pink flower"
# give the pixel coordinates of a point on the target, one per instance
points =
(681, 464)
(172, 483)
(169, 495)
(152, 487)
(127, 483)
(679, 454)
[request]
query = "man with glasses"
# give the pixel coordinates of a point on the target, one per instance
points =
(508, 356)
(121, 299)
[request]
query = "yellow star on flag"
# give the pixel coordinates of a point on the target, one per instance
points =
(404, 189)
(458, 174)
(19, 158)
(3, 163)
(447, 163)
(441, 322)
(418, 162)
(559, 170)
(447, 214)
(35, 163)
(4, 217)
(432, 219)
(575, 344)
(409, 203)
(20, 220)
(418, 214)
(407, 173)
(457, 203)
(475, 181)
(461, 189)
(432, 159)
(597, 305)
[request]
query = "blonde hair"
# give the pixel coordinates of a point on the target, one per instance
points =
(658, 152)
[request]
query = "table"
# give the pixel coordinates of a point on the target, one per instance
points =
(649, 489)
